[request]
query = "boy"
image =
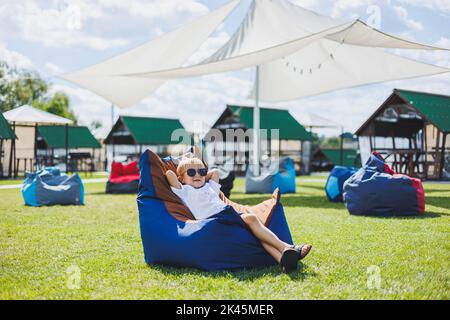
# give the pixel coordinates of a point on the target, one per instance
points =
(200, 190)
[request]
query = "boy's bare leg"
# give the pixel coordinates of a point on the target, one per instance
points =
(272, 251)
(263, 233)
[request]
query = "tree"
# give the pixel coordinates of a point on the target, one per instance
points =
(95, 125)
(58, 104)
(332, 142)
(20, 87)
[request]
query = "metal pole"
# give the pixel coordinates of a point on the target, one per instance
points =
(67, 148)
(15, 155)
(112, 116)
(256, 127)
(442, 164)
(341, 158)
(35, 144)
(13, 145)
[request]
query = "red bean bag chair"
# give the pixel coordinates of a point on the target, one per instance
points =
(123, 178)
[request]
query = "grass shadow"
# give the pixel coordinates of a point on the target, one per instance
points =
(241, 275)
(428, 191)
(426, 215)
(441, 202)
(320, 188)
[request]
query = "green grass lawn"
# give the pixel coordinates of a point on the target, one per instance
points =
(42, 249)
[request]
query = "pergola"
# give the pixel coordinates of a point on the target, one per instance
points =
(146, 131)
(29, 118)
(241, 117)
(410, 128)
(6, 133)
(66, 137)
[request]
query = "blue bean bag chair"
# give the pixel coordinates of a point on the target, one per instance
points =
(269, 179)
(335, 182)
(376, 189)
(49, 187)
(171, 235)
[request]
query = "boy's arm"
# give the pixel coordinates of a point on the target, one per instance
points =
(213, 175)
(172, 179)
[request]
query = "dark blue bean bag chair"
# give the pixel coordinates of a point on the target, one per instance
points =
(335, 182)
(376, 189)
(283, 179)
(171, 235)
(49, 187)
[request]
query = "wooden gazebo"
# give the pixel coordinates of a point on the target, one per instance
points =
(140, 132)
(289, 142)
(6, 133)
(410, 128)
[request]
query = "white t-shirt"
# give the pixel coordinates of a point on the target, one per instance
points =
(203, 202)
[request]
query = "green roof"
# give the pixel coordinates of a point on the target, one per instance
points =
(436, 108)
(5, 130)
(79, 137)
(289, 128)
(349, 157)
(153, 131)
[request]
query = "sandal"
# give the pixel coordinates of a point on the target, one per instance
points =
(302, 251)
(289, 260)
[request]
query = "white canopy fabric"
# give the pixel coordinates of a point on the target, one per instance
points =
(306, 54)
(312, 120)
(30, 115)
(170, 50)
(300, 53)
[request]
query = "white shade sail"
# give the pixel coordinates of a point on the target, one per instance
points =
(168, 51)
(306, 54)
(300, 53)
(29, 115)
(312, 71)
(312, 120)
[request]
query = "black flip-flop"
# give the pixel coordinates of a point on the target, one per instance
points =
(289, 260)
(299, 250)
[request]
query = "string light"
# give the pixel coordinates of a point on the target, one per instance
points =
(319, 66)
(330, 57)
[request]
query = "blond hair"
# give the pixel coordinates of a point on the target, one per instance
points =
(186, 163)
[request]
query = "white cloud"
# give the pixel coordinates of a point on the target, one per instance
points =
(55, 26)
(75, 23)
(14, 58)
(86, 105)
(438, 5)
(194, 100)
(53, 68)
(156, 8)
(341, 8)
(436, 57)
(403, 14)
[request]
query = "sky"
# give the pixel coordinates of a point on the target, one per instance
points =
(54, 37)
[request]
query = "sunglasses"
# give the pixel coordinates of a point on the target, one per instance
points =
(192, 172)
